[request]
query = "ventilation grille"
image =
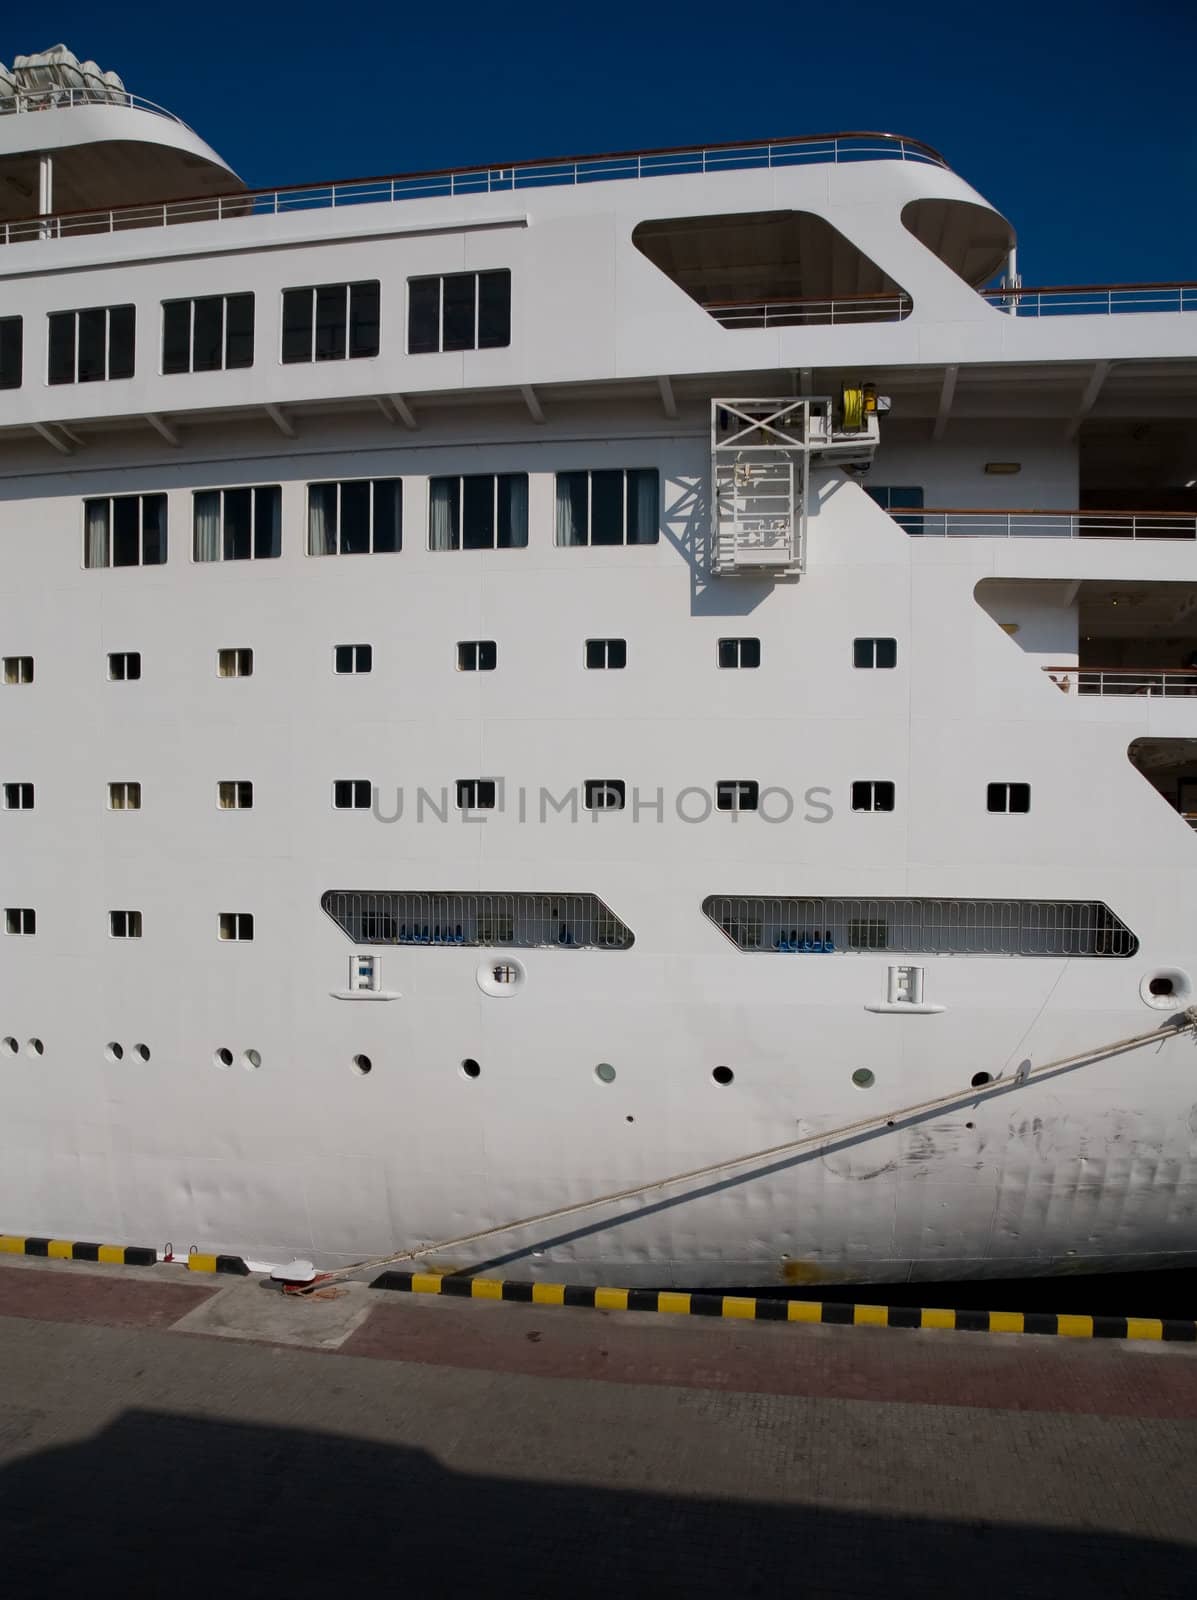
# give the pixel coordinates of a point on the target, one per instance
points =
(515, 921)
(922, 927)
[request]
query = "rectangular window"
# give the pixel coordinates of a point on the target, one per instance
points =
(874, 652)
(872, 794)
(236, 925)
(477, 655)
(609, 655)
(124, 666)
(361, 517)
(476, 794)
(20, 919)
(12, 340)
(235, 794)
(124, 924)
(18, 669)
(460, 311)
(351, 794)
(88, 346)
(612, 506)
(125, 530)
(209, 334)
(739, 652)
(604, 794)
(18, 797)
(124, 797)
(238, 524)
(330, 322)
(896, 499)
(353, 658)
(486, 512)
(1011, 797)
(237, 663)
(737, 794)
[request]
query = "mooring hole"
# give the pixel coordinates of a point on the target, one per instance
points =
(470, 1068)
(980, 1079)
(723, 1075)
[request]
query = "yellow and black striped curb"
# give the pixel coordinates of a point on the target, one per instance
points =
(763, 1309)
(118, 1255)
(197, 1261)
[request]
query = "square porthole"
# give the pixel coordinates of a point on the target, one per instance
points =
(476, 794)
(1014, 798)
(353, 658)
(737, 794)
(739, 653)
(18, 669)
(477, 655)
(872, 794)
(604, 794)
(124, 666)
(606, 655)
(876, 653)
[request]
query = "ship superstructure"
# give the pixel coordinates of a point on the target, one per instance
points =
(524, 681)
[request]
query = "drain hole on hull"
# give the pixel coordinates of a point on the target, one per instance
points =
(605, 1072)
(980, 1079)
(363, 1066)
(115, 1052)
(251, 1061)
(35, 1047)
(9, 1046)
(723, 1075)
(142, 1052)
(223, 1057)
(863, 1078)
(470, 1068)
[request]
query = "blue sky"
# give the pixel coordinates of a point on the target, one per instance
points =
(1076, 120)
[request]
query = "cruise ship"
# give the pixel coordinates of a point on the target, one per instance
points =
(629, 718)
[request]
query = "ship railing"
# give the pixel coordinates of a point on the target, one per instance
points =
(1094, 299)
(809, 309)
(57, 99)
(1163, 682)
(961, 523)
(491, 179)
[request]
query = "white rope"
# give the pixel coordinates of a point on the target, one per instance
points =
(1187, 1021)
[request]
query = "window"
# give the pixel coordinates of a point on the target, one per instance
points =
(475, 794)
(612, 506)
(124, 924)
(330, 322)
(124, 797)
(872, 794)
(238, 663)
(477, 655)
(739, 652)
(208, 334)
(124, 666)
(237, 524)
(353, 658)
(18, 669)
(604, 794)
(12, 339)
(87, 346)
(1011, 797)
(895, 500)
(235, 794)
(236, 925)
(461, 311)
(351, 794)
(486, 512)
(362, 517)
(125, 530)
(365, 972)
(522, 921)
(737, 794)
(608, 655)
(20, 919)
(18, 797)
(874, 652)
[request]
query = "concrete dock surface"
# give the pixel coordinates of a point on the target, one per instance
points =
(163, 1434)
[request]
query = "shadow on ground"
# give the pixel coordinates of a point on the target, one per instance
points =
(164, 1504)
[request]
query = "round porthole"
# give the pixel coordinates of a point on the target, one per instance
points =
(114, 1051)
(363, 1066)
(723, 1075)
(35, 1047)
(142, 1052)
(1167, 989)
(863, 1078)
(251, 1060)
(223, 1057)
(9, 1046)
(605, 1072)
(470, 1068)
(500, 976)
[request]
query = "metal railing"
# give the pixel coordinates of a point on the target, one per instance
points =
(56, 99)
(921, 927)
(1167, 682)
(1094, 299)
(495, 921)
(960, 523)
(569, 170)
(809, 309)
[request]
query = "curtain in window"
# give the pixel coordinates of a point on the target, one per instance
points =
(643, 506)
(513, 510)
(322, 508)
(571, 508)
(95, 550)
(207, 525)
(443, 513)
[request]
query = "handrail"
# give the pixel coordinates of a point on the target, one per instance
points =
(1079, 299)
(664, 161)
(971, 522)
(1154, 683)
(55, 99)
(890, 307)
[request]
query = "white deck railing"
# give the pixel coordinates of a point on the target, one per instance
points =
(60, 99)
(1165, 681)
(794, 313)
(1095, 299)
(836, 147)
(970, 523)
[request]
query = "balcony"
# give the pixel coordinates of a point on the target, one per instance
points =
(1176, 682)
